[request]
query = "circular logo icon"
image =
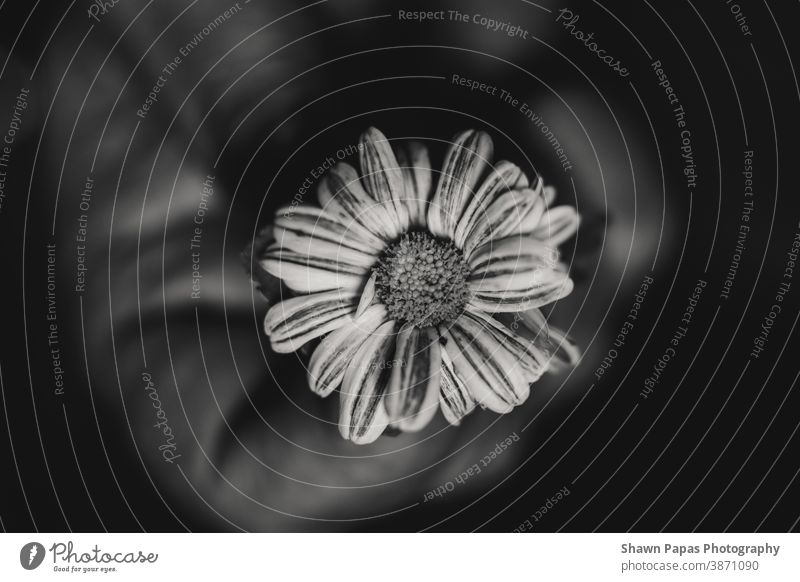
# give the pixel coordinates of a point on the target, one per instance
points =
(31, 555)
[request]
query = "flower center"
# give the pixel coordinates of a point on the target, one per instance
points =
(422, 280)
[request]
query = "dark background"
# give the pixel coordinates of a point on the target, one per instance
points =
(270, 94)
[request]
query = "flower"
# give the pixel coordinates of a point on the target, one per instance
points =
(425, 297)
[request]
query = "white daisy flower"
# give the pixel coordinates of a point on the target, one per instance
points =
(426, 296)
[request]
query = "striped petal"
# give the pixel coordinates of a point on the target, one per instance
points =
(504, 176)
(341, 193)
(510, 263)
(454, 397)
(313, 221)
(516, 274)
(308, 274)
(319, 248)
(464, 163)
(531, 220)
(521, 182)
(545, 287)
(557, 225)
(534, 360)
(413, 394)
(382, 175)
(367, 295)
(362, 414)
(293, 322)
(562, 351)
(332, 356)
(501, 219)
(494, 378)
(416, 167)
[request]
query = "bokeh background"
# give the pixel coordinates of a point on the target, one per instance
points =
(256, 104)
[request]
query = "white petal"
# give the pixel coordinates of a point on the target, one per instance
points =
(454, 397)
(319, 248)
(557, 225)
(382, 174)
(332, 356)
(308, 274)
(494, 378)
(549, 195)
(463, 166)
(341, 193)
(535, 211)
(293, 322)
(413, 395)
(546, 287)
(417, 172)
(313, 221)
(362, 414)
(367, 296)
(510, 264)
(563, 352)
(516, 274)
(534, 360)
(501, 219)
(504, 177)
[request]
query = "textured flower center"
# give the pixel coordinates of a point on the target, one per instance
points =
(422, 280)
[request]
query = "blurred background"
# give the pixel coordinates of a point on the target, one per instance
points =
(121, 113)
